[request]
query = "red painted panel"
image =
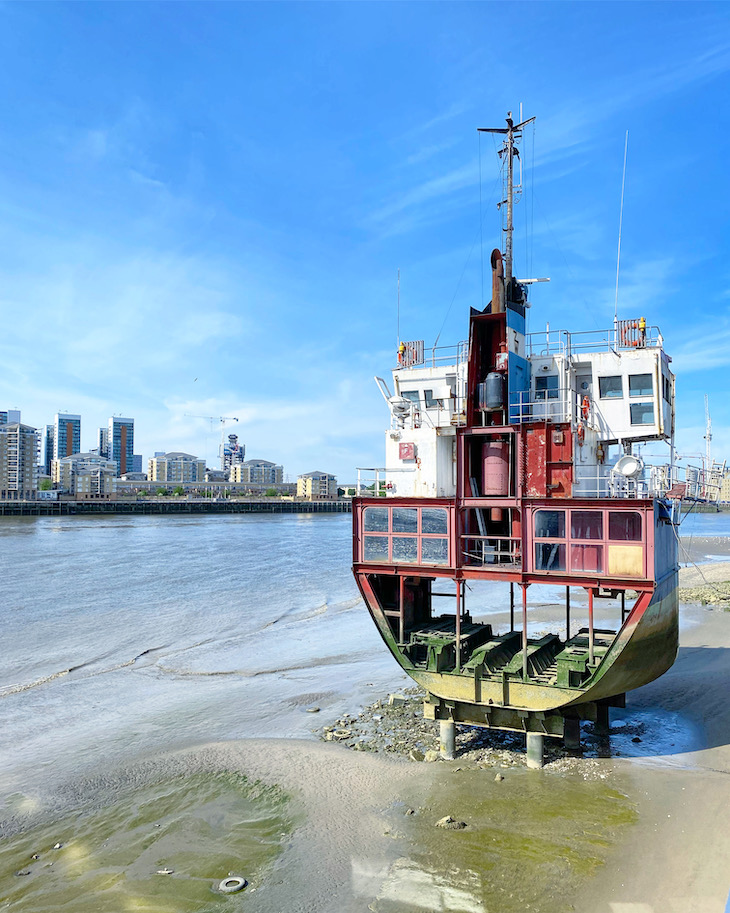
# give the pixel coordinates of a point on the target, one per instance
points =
(536, 468)
(406, 451)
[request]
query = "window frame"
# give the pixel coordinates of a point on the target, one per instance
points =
(392, 536)
(579, 543)
(609, 395)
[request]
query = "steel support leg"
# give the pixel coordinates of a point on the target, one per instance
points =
(535, 746)
(603, 725)
(447, 740)
(571, 735)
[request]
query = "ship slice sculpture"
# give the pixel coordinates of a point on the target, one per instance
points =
(515, 457)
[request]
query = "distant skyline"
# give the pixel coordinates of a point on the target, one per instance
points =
(204, 207)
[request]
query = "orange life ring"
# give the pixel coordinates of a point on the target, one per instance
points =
(585, 407)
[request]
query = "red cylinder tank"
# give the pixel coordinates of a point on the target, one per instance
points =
(495, 469)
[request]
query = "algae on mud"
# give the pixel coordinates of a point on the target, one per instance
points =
(201, 826)
(530, 840)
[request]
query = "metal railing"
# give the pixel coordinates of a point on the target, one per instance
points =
(530, 407)
(417, 356)
(500, 552)
(564, 343)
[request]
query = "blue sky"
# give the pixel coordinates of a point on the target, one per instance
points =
(203, 206)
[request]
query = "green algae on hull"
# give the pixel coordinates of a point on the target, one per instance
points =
(201, 826)
(530, 840)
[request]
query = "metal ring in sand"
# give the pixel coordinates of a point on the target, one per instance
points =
(232, 884)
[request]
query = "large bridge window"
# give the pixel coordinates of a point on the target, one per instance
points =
(406, 535)
(591, 542)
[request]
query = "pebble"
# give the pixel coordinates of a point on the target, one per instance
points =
(498, 778)
(165, 871)
(57, 846)
(450, 824)
(416, 755)
(396, 700)
(431, 756)
(23, 872)
(312, 709)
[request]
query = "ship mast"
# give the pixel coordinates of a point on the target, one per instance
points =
(512, 132)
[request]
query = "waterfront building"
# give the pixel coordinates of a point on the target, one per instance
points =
(120, 443)
(10, 417)
(175, 468)
(257, 472)
(49, 435)
(317, 486)
(19, 446)
(234, 453)
(85, 475)
(136, 463)
(725, 488)
(103, 442)
(66, 435)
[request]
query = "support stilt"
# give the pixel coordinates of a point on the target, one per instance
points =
(447, 740)
(571, 735)
(535, 746)
(603, 724)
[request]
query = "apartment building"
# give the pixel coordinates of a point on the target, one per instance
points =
(257, 472)
(317, 486)
(120, 443)
(19, 449)
(66, 435)
(176, 468)
(85, 475)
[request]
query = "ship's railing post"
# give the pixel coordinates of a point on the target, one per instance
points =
(567, 613)
(511, 606)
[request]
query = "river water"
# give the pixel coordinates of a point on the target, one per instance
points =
(125, 636)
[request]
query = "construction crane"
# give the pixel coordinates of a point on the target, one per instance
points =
(222, 419)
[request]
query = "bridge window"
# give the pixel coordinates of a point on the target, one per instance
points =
(642, 413)
(598, 542)
(406, 535)
(376, 520)
(610, 387)
(624, 526)
(640, 385)
(412, 395)
(586, 524)
(405, 520)
(550, 524)
(546, 386)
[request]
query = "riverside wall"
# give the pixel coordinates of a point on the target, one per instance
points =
(171, 506)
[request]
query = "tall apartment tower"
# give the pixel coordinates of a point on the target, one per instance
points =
(121, 443)
(10, 417)
(49, 435)
(104, 442)
(18, 461)
(66, 435)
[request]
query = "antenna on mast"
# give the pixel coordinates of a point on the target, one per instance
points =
(620, 225)
(508, 152)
